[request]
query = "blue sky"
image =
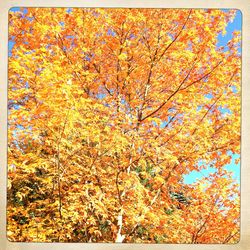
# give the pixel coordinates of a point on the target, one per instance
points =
(231, 27)
(232, 167)
(235, 168)
(12, 43)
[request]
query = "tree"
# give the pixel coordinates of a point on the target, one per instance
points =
(108, 109)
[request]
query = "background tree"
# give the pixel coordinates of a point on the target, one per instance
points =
(108, 109)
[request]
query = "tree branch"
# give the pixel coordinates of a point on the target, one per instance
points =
(182, 28)
(172, 95)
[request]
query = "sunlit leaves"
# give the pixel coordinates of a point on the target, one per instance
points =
(108, 109)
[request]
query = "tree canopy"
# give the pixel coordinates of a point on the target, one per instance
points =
(108, 110)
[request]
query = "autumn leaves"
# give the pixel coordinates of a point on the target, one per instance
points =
(109, 109)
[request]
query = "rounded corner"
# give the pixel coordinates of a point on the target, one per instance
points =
(240, 12)
(10, 240)
(13, 9)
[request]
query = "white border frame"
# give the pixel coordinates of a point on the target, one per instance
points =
(242, 5)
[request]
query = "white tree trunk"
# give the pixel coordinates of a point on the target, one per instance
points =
(119, 236)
